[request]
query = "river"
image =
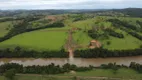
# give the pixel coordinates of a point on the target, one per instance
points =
(77, 61)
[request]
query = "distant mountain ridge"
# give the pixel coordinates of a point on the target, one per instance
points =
(134, 12)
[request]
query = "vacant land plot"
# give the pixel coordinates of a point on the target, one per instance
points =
(41, 39)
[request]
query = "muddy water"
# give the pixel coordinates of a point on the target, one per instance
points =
(77, 61)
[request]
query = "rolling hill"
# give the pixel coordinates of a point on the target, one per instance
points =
(115, 33)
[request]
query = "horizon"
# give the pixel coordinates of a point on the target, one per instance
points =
(68, 4)
(71, 9)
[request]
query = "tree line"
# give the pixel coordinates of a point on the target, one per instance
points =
(18, 52)
(135, 35)
(132, 33)
(133, 65)
(95, 34)
(104, 53)
(8, 19)
(22, 27)
(118, 23)
(57, 69)
(136, 66)
(132, 12)
(114, 34)
(90, 53)
(48, 69)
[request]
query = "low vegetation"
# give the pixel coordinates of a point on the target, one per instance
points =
(105, 72)
(5, 27)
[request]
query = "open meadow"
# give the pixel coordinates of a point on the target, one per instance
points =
(98, 74)
(4, 28)
(46, 39)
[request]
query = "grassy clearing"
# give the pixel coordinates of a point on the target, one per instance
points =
(29, 77)
(41, 39)
(129, 42)
(121, 73)
(3, 28)
(84, 24)
(81, 38)
(54, 40)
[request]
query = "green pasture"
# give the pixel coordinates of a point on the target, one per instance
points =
(125, 74)
(128, 42)
(81, 38)
(52, 39)
(84, 24)
(120, 74)
(49, 39)
(4, 28)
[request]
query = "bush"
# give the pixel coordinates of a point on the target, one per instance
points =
(108, 42)
(9, 74)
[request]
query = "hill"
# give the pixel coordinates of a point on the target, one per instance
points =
(5, 27)
(103, 28)
(113, 29)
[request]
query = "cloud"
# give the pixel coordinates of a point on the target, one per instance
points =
(68, 4)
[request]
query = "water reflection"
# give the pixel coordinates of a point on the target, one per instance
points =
(76, 61)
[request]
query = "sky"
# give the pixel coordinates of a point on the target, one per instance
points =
(69, 4)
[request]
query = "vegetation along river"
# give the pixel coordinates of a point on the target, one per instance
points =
(77, 61)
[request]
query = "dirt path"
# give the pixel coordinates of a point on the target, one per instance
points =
(57, 30)
(78, 77)
(69, 44)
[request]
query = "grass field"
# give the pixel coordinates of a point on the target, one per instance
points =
(25, 77)
(123, 73)
(129, 42)
(98, 74)
(41, 39)
(81, 38)
(54, 40)
(84, 24)
(3, 28)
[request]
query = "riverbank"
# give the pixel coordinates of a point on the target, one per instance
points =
(19, 52)
(77, 61)
(97, 74)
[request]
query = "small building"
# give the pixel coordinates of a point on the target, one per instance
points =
(94, 44)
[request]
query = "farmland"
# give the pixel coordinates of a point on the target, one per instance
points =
(59, 39)
(41, 40)
(55, 38)
(4, 28)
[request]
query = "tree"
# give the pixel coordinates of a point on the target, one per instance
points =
(140, 46)
(9, 74)
(74, 78)
(108, 42)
